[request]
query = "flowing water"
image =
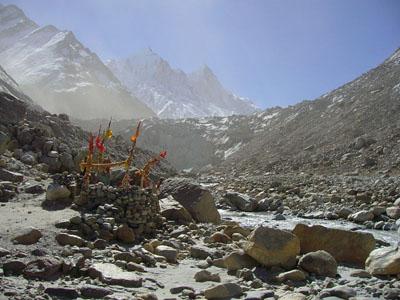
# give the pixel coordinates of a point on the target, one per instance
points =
(267, 219)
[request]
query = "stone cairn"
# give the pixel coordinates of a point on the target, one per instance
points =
(104, 209)
(108, 212)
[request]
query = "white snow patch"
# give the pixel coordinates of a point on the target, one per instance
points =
(232, 150)
(268, 117)
(396, 88)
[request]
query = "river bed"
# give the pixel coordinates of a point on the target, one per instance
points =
(253, 219)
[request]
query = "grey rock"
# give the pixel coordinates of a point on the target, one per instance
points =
(64, 292)
(258, 294)
(384, 261)
(173, 210)
(28, 158)
(344, 245)
(94, 291)
(272, 247)
(239, 259)
(293, 275)
(45, 268)
(4, 252)
(201, 252)
(320, 263)
(240, 201)
(198, 201)
(169, 253)
(204, 275)
(29, 236)
(67, 161)
(111, 274)
(10, 176)
(70, 239)
(178, 289)
(34, 188)
(57, 192)
(393, 212)
(53, 154)
(224, 290)
(343, 292)
(131, 266)
(13, 267)
(361, 216)
(125, 234)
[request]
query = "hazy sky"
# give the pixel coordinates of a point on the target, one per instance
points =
(276, 52)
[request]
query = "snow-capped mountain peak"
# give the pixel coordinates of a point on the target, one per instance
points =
(60, 73)
(172, 93)
(204, 71)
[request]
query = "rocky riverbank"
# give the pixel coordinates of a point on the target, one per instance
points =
(372, 201)
(195, 254)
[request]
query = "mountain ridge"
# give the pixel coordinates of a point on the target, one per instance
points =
(60, 73)
(353, 128)
(172, 93)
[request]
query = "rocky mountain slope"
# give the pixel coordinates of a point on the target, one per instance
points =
(33, 141)
(194, 143)
(8, 85)
(354, 128)
(59, 73)
(172, 93)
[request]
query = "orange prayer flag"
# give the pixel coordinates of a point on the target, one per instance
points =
(136, 135)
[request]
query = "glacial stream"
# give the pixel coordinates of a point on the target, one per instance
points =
(267, 219)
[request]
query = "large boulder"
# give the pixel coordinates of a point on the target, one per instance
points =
(384, 261)
(320, 263)
(273, 247)
(197, 200)
(173, 210)
(240, 201)
(345, 246)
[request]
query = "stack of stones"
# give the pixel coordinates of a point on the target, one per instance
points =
(104, 208)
